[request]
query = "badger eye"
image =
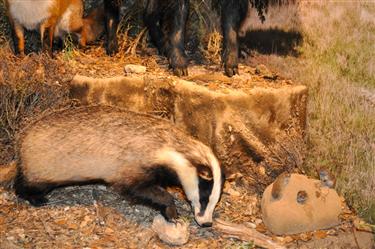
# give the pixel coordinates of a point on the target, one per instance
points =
(204, 172)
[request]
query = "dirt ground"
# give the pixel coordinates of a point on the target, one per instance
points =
(96, 217)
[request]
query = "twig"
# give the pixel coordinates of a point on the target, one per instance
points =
(248, 234)
(355, 237)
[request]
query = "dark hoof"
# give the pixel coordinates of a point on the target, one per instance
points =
(180, 72)
(111, 48)
(170, 213)
(179, 63)
(231, 70)
(230, 59)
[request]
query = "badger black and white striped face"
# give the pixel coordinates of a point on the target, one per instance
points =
(210, 183)
(202, 181)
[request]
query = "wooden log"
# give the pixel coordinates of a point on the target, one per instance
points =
(245, 233)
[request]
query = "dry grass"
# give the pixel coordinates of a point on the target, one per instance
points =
(211, 48)
(28, 86)
(337, 64)
(3, 23)
(339, 51)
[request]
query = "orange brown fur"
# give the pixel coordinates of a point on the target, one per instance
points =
(52, 10)
(92, 26)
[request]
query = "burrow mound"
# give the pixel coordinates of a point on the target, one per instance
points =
(255, 122)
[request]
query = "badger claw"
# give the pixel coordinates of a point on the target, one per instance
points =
(170, 213)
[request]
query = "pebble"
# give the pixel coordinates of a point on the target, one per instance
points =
(132, 68)
(171, 233)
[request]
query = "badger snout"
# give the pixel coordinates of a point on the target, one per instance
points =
(204, 220)
(207, 224)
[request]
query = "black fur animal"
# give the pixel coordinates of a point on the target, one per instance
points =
(234, 19)
(135, 153)
(233, 12)
(111, 21)
(166, 22)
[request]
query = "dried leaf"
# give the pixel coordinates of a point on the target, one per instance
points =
(60, 222)
(108, 231)
(320, 234)
(73, 226)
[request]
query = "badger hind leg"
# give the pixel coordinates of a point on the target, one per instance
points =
(34, 194)
(156, 197)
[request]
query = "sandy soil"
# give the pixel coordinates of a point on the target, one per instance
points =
(96, 217)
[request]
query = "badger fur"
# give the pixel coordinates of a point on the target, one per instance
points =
(137, 154)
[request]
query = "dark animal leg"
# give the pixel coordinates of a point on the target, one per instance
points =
(18, 38)
(34, 194)
(158, 198)
(111, 21)
(176, 40)
(233, 13)
(51, 32)
(175, 14)
(152, 19)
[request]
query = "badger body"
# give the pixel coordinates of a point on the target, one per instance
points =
(137, 154)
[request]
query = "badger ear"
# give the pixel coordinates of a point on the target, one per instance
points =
(204, 172)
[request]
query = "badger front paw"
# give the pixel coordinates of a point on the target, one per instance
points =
(170, 213)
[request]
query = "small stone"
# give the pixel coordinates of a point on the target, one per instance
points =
(250, 224)
(171, 233)
(262, 170)
(102, 187)
(258, 221)
(132, 68)
(233, 192)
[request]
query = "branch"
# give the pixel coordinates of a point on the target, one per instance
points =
(247, 234)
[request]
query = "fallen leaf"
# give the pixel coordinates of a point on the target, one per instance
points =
(320, 234)
(108, 231)
(85, 221)
(73, 226)
(60, 222)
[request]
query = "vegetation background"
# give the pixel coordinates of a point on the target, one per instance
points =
(336, 60)
(327, 45)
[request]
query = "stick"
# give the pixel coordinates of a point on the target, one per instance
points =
(244, 233)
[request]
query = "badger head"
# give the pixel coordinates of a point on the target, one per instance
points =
(201, 177)
(210, 185)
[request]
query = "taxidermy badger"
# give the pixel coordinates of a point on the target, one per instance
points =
(135, 153)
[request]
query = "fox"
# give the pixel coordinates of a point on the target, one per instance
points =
(58, 17)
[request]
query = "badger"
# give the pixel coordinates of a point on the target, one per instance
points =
(137, 154)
